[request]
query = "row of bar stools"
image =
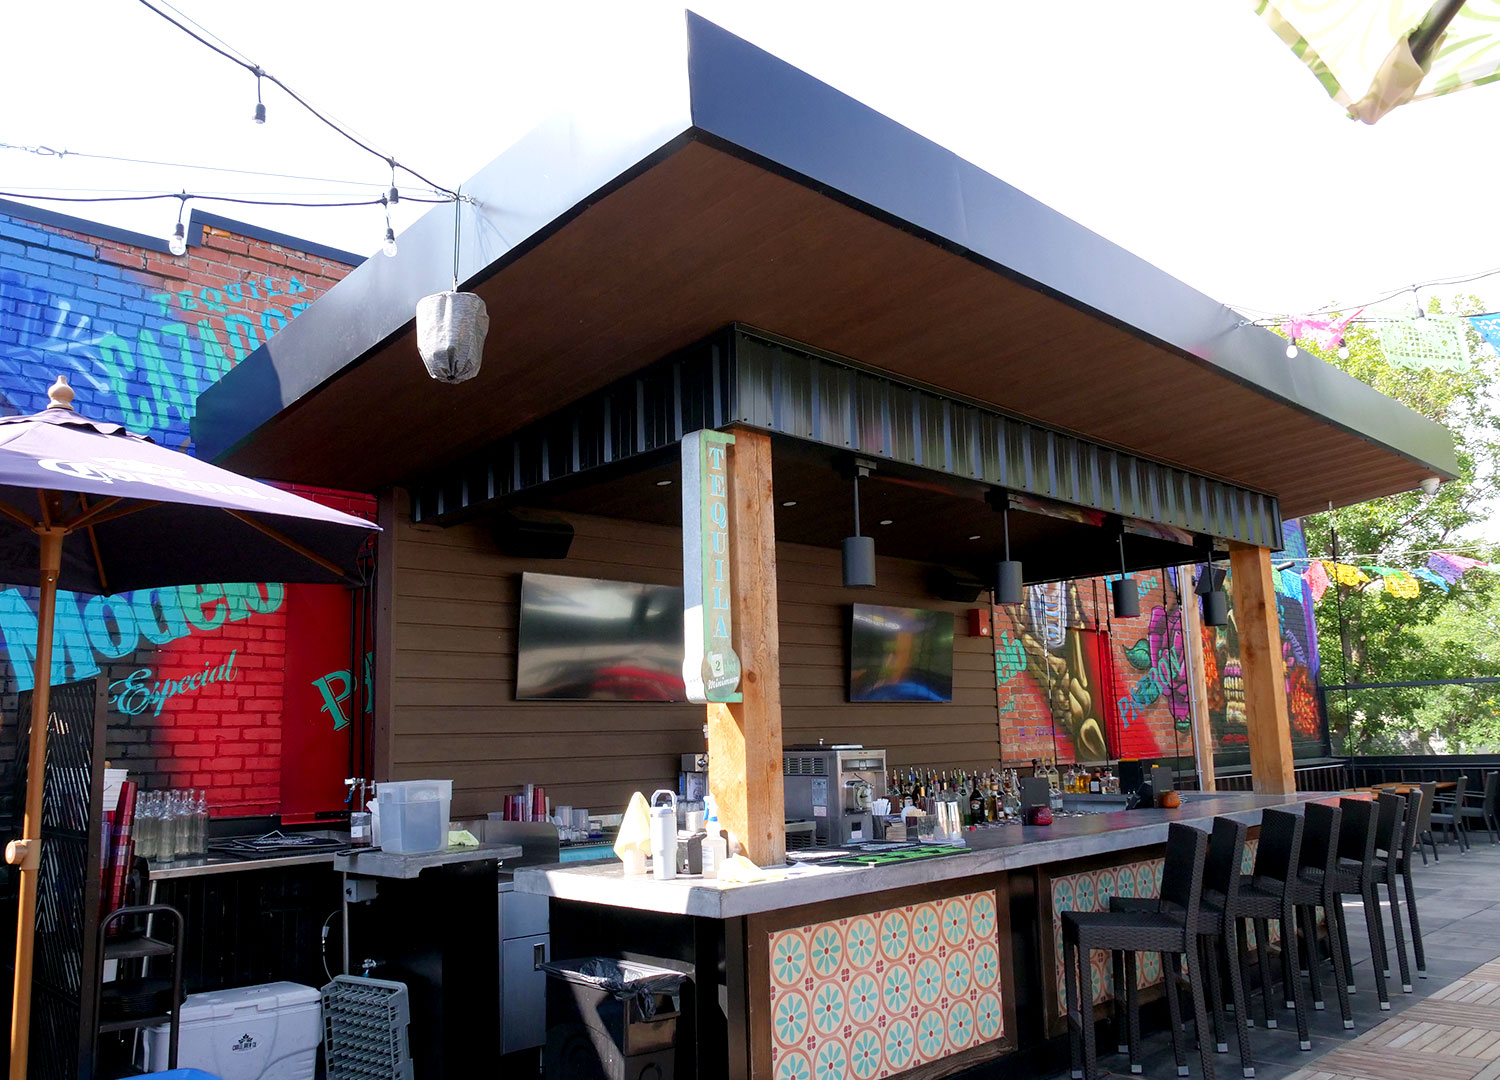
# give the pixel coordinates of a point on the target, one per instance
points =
(1171, 929)
(1269, 895)
(1312, 888)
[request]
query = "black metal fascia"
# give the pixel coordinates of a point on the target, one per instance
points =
(740, 377)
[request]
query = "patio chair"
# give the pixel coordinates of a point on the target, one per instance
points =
(1445, 814)
(1267, 895)
(1313, 888)
(1390, 840)
(1483, 807)
(1354, 875)
(1422, 832)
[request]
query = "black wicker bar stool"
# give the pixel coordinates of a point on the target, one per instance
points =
(1423, 828)
(1390, 836)
(1170, 930)
(1483, 807)
(1313, 888)
(1416, 800)
(1217, 917)
(1354, 875)
(1269, 895)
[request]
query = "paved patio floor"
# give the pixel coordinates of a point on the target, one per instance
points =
(1447, 1029)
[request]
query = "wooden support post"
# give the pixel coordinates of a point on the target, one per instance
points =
(1263, 669)
(1192, 647)
(744, 739)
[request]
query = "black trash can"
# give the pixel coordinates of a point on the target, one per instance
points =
(611, 1020)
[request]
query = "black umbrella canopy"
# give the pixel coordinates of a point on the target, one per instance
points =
(138, 515)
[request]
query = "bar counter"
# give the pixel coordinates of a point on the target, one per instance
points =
(993, 849)
(926, 967)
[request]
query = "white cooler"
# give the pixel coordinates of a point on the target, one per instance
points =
(266, 1032)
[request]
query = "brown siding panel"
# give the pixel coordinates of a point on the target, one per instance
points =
(453, 694)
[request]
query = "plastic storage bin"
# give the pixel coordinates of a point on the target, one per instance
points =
(414, 815)
(266, 1032)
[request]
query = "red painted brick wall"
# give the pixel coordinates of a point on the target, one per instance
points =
(141, 334)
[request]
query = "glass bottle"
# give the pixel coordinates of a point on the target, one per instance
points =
(182, 825)
(145, 826)
(1096, 785)
(200, 824)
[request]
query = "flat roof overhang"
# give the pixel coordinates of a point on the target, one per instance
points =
(759, 195)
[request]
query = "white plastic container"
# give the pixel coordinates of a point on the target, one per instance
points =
(265, 1032)
(414, 815)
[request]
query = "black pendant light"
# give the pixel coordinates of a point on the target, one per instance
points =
(859, 551)
(1007, 585)
(1215, 599)
(1127, 600)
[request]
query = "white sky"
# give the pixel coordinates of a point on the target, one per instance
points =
(1181, 129)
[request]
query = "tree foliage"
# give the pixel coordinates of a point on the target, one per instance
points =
(1368, 636)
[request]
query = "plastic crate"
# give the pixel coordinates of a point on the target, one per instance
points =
(365, 1029)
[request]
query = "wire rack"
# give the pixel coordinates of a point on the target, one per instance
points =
(365, 1029)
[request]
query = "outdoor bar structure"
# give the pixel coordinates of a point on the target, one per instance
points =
(877, 324)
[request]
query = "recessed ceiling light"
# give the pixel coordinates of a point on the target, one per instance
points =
(790, 502)
(885, 521)
(974, 537)
(664, 483)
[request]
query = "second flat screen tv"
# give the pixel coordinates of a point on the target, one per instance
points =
(900, 654)
(583, 639)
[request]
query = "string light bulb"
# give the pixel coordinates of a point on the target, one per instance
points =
(389, 244)
(1343, 349)
(260, 106)
(1291, 349)
(177, 242)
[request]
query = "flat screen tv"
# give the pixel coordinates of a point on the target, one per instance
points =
(583, 639)
(900, 654)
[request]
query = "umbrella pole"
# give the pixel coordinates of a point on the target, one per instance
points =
(27, 852)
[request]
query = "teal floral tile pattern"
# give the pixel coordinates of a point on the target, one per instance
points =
(877, 994)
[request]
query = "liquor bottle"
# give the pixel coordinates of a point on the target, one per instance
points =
(976, 803)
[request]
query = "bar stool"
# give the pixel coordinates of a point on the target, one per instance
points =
(1416, 801)
(1169, 930)
(1267, 895)
(1354, 875)
(1487, 812)
(1217, 917)
(1423, 830)
(1390, 836)
(1313, 888)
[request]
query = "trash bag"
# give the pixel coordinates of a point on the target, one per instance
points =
(623, 980)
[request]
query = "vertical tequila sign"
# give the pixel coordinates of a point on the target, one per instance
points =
(710, 667)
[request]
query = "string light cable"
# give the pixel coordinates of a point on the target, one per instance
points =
(234, 56)
(40, 150)
(1263, 317)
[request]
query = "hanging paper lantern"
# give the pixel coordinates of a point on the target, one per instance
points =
(450, 334)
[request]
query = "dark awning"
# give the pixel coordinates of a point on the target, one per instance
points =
(767, 198)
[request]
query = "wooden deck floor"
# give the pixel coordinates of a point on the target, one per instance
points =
(1452, 1035)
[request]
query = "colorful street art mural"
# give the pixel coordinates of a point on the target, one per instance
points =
(1077, 684)
(243, 689)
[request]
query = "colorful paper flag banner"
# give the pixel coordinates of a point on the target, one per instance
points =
(1435, 341)
(1488, 327)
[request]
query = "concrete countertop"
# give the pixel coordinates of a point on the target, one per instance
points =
(388, 864)
(992, 850)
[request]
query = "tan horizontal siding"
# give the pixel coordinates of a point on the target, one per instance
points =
(454, 712)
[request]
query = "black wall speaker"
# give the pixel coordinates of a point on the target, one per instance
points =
(532, 537)
(955, 585)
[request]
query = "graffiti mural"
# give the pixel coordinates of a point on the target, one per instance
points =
(1299, 650)
(197, 675)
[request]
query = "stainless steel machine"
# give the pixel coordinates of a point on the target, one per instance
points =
(832, 787)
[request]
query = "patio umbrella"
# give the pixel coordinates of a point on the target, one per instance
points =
(95, 508)
(1373, 55)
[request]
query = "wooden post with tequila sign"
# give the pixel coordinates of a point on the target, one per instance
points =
(710, 666)
(732, 643)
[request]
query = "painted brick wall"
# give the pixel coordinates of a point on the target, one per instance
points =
(196, 674)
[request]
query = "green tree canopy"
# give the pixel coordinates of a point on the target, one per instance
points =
(1367, 636)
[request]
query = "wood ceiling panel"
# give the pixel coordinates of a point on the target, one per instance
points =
(704, 239)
